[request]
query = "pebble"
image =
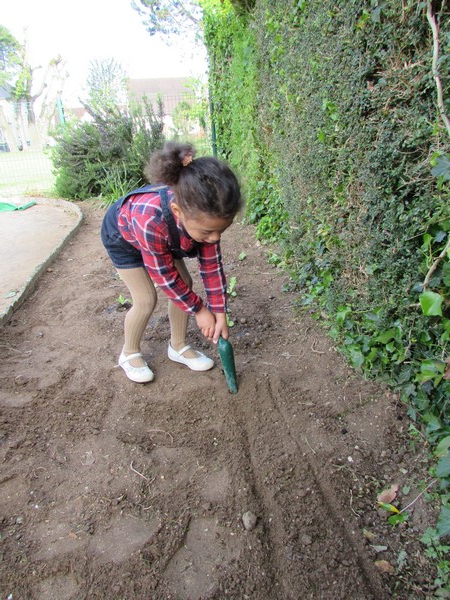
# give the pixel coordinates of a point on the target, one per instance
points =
(306, 540)
(21, 380)
(249, 520)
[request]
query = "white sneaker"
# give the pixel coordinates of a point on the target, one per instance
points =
(199, 363)
(136, 374)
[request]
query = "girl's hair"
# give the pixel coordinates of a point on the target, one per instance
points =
(204, 185)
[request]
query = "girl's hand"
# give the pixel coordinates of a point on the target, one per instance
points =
(206, 322)
(221, 328)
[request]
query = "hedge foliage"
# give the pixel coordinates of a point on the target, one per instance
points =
(329, 111)
(106, 156)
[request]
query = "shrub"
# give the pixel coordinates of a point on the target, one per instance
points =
(107, 154)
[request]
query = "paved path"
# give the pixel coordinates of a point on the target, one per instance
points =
(29, 241)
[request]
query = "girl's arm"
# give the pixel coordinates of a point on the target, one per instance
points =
(213, 276)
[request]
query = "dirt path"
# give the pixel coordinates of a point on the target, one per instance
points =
(111, 490)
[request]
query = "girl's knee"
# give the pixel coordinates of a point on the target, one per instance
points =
(145, 306)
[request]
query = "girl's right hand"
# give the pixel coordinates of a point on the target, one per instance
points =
(206, 322)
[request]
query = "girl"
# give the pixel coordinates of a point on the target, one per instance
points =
(149, 232)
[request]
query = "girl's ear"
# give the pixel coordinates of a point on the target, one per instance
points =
(176, 210)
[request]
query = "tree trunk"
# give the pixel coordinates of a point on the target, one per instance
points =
(9, 131)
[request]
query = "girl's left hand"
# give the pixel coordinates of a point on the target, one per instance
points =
(221, 327)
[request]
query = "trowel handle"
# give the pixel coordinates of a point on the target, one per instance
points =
(227, 357)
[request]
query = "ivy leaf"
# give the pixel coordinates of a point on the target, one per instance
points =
(396, 519)
(431, 303)
(440, 236)
(342, 313)
(386, 336)
(443, 467)
(442, 168)
(442, 447)
(427, 371)
(356, 356)
(376, 13)
(443, 523)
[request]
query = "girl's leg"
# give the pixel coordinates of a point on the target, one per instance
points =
(178, 318)
(143, 295)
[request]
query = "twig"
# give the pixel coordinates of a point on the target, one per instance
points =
(351, 504)
(312, 449)
(440, 96)
(137, 472)
(316, 351)
(421, 494)
(433, 267)
(161, 431)
(289, 355)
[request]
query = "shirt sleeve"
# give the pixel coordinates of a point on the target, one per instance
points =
(213, 276)
(159, 262)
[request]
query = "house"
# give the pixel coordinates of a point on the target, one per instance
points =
(172, 90)
(167, 87)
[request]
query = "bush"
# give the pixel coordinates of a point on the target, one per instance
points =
(106, 157)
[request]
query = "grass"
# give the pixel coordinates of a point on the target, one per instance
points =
(26, 173)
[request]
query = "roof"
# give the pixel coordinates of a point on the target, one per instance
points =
(166, 86)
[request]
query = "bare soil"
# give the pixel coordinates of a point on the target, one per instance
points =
(115, 490)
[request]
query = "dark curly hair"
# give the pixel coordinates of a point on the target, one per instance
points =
(205, 185)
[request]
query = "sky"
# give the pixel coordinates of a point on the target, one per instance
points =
(82, 31)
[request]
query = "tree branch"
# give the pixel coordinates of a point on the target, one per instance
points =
(440, 96)
(433, 267)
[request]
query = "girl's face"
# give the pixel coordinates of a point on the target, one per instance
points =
(203, 228)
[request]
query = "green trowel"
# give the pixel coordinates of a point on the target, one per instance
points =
(227, 357)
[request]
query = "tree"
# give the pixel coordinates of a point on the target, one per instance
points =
(168, 17)
(10, 56)
(183, 119)
(17, 117)
(107, 84)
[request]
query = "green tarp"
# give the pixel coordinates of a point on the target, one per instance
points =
(5, 206)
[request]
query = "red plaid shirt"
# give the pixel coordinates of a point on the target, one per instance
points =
(141, 222)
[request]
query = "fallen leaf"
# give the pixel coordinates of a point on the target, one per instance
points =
(384, 566)
(447, 373)
(389, 494)
(389, 507)
(379, 548)
(368, 535)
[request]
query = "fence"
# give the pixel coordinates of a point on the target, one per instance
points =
(25, 173)
(30, 172)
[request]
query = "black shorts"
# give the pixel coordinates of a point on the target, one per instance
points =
(121, 252)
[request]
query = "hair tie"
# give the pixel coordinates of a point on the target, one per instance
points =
(187, 160)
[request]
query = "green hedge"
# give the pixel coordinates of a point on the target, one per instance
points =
(329, 110)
